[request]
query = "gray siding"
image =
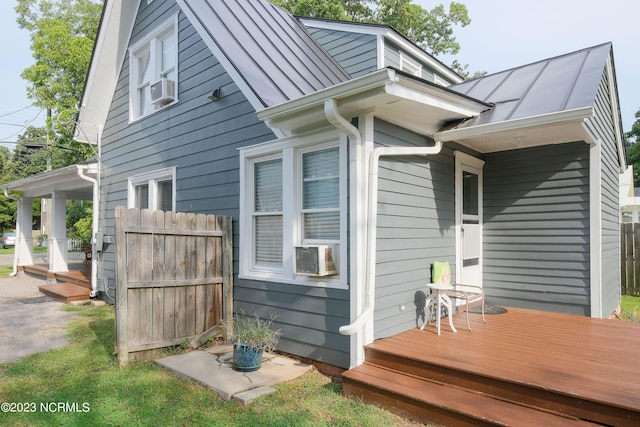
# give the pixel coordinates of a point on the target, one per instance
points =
(200, 138)
(536, 225)
(602, 125)
(416, 209)
(356, 53)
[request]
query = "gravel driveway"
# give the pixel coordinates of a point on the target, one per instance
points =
(30, 322)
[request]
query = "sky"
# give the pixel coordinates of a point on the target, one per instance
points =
(503, 34)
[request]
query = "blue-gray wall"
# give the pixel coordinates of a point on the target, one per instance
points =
(356, 53)
(416, 225)
(603, 127)
(536, 228)
(200, 138)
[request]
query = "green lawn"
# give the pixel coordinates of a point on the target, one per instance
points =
(85, 376)
(630, 307)
(36, 250)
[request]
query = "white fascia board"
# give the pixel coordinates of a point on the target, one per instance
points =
(388, 33)
(106, 62)
(515, 124)
(311, 107)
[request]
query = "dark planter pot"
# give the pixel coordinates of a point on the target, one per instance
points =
(247, 357)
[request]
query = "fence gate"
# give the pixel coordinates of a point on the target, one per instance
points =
(174, 279)
(630, 258)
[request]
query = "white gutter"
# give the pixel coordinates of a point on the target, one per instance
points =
(331, 112)
(16, 252)
(94, 230)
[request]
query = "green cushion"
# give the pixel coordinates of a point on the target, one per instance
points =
(441, 273)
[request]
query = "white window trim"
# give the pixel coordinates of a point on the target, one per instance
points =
(152, 178)
(170, 25)
(290, 150)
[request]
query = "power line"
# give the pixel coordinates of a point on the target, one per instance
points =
(17, 111)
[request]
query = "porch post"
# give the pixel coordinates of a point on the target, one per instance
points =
(58, 240)
(24, 233)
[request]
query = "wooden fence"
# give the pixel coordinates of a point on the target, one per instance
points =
(630, 258)
(174, 279)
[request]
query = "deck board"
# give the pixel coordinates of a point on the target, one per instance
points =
(571, 355)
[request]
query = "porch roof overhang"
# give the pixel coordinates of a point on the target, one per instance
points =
(544, 129)
(390, 94)
(68, 180)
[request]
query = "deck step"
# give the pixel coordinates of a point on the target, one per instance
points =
(503, 388)
(65, 292)
(431, 401)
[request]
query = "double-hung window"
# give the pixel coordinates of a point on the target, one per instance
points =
(154, 190)
(267, 213)
(293, 194)
(153, 62)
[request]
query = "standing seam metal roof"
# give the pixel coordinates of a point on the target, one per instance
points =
(273, 52)
(557, 84)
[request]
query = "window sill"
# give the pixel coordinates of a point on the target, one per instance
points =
(332, 282)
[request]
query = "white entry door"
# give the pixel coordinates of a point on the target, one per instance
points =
(468, 219)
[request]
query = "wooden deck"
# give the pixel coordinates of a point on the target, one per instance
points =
(72, 285)
(523, 367)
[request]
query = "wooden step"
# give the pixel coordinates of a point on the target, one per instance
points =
(545, 398)
(65, 292)
(431, 401)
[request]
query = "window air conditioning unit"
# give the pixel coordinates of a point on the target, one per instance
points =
(315, 260)
(163, 91)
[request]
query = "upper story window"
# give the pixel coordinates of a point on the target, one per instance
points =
(410, 66)
(153, 70)
(154, 190)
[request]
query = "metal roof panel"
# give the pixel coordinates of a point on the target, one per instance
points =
(271, 50)
(552, 85)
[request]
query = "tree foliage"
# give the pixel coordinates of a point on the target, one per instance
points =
(633, 149)
(430, 29)
(62, 36)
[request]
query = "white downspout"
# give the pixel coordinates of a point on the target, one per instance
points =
(16, 253)
(331, 112)
(94, 230)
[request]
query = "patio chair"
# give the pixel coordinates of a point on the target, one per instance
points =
(471, 294)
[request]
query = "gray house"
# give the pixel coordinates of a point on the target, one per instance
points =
(350, 160)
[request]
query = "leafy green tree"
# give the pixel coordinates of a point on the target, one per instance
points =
(62, 37)
(430, 29)
(633, 149)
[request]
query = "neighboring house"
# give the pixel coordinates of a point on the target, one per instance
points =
(629, 197)
(348, 137)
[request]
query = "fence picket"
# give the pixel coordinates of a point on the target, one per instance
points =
(630, 258)
(169, 287)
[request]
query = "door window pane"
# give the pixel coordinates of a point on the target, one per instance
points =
(470, 193)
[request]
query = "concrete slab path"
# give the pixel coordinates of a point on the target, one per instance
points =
(213, 367)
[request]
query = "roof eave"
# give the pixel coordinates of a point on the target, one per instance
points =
(514, 124)
(382, 92)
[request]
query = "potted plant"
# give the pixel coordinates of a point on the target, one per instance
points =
(252, 336)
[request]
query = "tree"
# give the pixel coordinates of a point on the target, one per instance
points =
(62, 38)
(633, 149)
(430, 29)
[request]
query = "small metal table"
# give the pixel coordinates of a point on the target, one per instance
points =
(439, 297)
